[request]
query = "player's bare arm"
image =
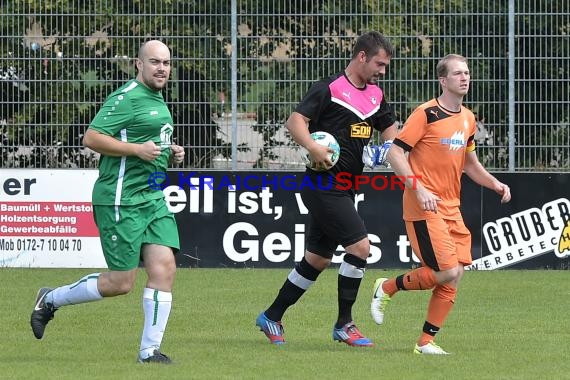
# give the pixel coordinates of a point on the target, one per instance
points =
(390, 132)
(399, 162)
(298, 126)
(110, 146)
(481, 176)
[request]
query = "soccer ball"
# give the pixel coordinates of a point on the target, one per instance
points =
(325, 139)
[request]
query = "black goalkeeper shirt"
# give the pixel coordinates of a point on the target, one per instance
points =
(336, 106)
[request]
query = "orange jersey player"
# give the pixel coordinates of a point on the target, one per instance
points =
(438, 139)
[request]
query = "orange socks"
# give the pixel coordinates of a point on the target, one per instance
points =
(440, 305)
(417, 279)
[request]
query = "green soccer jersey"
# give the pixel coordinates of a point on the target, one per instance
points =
(136, 114)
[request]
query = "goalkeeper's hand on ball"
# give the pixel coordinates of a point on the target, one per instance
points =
(375, 155)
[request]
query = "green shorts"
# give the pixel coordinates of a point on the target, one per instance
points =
(124, 229)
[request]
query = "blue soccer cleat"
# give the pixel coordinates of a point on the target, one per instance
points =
(350, 335)
(273, 330)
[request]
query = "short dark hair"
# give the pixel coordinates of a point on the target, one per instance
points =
(442, 70)
(371, 43)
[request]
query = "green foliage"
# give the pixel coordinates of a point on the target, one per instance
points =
(551, 148)
(86, 48)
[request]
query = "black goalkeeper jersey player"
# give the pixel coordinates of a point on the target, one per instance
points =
(336, 106)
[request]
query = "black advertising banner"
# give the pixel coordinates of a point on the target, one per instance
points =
(532, 231)
(257, 219)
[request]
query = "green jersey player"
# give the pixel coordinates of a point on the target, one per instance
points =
(132, 132)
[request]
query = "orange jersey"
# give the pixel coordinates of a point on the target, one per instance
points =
(437, 141)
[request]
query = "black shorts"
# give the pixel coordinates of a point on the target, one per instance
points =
(333, 221)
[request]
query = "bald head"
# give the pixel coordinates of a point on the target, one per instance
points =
(151, 46)
(153, 64)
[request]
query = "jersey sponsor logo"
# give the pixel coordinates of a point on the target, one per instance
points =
(166, 136)
(153, 113)
(360, 130)
(455, 142)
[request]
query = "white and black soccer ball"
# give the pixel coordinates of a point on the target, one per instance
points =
(324, 139)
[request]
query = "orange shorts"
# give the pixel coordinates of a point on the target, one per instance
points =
(440, 244)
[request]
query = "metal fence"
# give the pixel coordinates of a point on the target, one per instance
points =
(240, 68)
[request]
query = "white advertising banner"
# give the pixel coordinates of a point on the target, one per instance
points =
(46, 219)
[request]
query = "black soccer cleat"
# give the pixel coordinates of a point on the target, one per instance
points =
(42, 314)
(156, 357)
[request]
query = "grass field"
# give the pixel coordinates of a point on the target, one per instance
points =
(506, 325)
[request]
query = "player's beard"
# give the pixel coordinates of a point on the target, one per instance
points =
(156, 83)
(374, 78)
